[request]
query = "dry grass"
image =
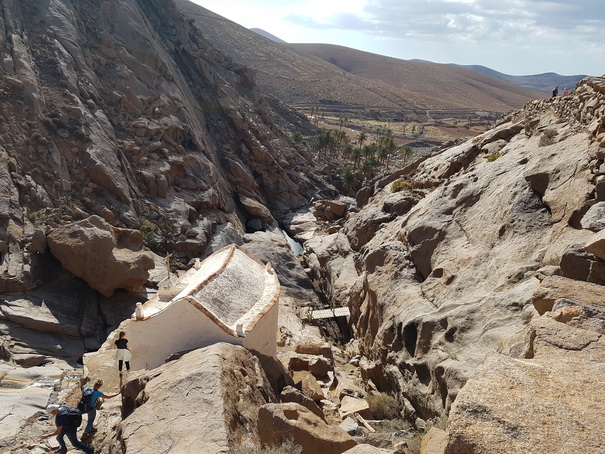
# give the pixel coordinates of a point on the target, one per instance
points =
(287, 447)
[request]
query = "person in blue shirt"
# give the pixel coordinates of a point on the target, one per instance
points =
(92, 413)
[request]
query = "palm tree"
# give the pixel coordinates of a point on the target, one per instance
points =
(324, 144)
(348, 151)
(356, 155)
(349, 178)
(386, 148)
(406, 152)
(369, 151)
(361, 138)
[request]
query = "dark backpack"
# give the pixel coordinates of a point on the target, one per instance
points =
(85, 404)
(69, 417)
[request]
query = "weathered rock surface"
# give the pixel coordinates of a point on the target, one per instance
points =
(208, 398)
(519, 405)
(555, 288)
(107, 258)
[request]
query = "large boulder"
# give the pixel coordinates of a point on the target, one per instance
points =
(106, 257)
(206, 401)
(278, 422)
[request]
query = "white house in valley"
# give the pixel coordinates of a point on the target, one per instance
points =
(231, 296)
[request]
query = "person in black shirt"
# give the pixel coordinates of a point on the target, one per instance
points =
(123, 354)
(67, 421)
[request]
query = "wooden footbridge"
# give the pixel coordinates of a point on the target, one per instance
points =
(330, 313)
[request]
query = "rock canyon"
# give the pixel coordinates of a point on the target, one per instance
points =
(474, 276)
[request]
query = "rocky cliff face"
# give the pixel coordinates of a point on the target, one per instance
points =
(121, 109)
(449, 279)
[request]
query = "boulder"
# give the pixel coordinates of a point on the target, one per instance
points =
(330, 209)
(596, 245)
(307, 347)
(216, 390)
(308, 385)
(367, 449)
(319, 367)
(107, 258)
(433, 442)
(594, 218)
(291, 394)
(256, 208)
(398, 203)
(581, 293)
(350, 405)
(278, 422)
(360, 229)
(578, 264)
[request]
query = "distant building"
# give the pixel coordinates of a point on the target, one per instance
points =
(229, 297)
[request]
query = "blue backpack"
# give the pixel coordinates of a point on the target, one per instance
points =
(85, 404)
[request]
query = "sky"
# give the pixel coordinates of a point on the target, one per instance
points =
(516, 37)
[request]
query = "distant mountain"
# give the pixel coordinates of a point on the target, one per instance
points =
(267, 35)
(425, 80)
(540, 82)
(322, 74)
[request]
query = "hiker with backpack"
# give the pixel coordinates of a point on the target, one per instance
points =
(67, 420)
(88, 403)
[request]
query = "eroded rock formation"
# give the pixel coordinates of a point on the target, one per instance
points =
(440, 288)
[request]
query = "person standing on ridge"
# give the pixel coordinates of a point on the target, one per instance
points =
(95, 394)
(123, 354)
(555, 92)
(565, 92)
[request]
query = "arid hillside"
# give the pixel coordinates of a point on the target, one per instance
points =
(442, 86)
(319, 74)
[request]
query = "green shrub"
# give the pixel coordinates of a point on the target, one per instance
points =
(492, 157)
(401, 185)
(147, 228)
(297, 136)
(38, 217)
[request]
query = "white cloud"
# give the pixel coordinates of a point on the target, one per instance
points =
(513, 36)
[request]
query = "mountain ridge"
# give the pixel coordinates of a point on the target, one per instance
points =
(543, 82)
(293, 74)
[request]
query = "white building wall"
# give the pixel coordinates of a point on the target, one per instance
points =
(263, 337)
(179, 327)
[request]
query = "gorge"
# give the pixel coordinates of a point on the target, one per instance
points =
(130, 146)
